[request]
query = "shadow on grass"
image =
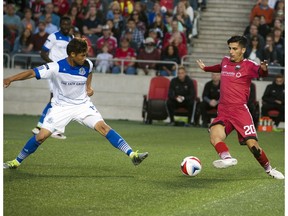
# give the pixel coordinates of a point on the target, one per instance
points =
(14, 175)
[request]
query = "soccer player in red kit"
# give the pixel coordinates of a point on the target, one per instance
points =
(233, 113)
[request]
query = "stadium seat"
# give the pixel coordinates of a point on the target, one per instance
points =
(183, 111)
(273, 113)
(154, 104)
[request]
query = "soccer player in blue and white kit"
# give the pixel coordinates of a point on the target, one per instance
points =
(54, 49)
(71, 78)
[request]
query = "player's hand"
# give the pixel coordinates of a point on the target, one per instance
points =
(264, 65)
(200, 64)
(90, 92)
(6, 82)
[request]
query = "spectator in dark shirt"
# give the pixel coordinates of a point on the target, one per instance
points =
(37, 40)
(253, 51)
(159, 25)
(181, 94)
(279, 44)
(274, 99)
(263, 28)
(170, 53)
(255, 32)
(270, 52)
(252, 105)
(255, 21)
(150, 52)
(92, 25)
(118, 24)
(210, 97)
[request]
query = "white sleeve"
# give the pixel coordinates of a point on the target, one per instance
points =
(46, 71)
(90, 65)
(49, 42)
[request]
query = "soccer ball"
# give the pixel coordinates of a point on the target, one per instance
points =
(191, 166)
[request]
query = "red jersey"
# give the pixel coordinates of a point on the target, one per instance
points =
(168, 4)
(110, 41)
(128, 54)
(236, 78)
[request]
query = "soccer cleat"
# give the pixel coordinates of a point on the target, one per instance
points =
(11, 164)
(275, 174)
(36, 130)
(58, 135)
(137, 158)
(225, 163)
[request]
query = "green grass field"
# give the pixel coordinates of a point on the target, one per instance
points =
(85, 175)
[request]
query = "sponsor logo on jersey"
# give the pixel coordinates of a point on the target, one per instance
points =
(228, 73)
(238, 74)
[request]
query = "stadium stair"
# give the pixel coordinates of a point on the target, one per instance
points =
(221, 19)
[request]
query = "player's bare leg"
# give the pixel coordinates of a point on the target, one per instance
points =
(217, 137)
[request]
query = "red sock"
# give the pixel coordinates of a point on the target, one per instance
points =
(222, 150)
(263, 160)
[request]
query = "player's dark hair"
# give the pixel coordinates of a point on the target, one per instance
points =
(65, 18)
(77, 45)
(242, 40)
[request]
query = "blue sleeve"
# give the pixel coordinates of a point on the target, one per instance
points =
(37, 73)
(45, 48)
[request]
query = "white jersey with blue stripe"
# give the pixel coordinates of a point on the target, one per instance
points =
(56, 44)
(69, 82)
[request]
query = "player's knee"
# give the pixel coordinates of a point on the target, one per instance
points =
(256, 151)
(102, 128)
(40, 138)
(215, 139)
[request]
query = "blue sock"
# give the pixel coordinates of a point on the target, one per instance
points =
(118, 142)
(28, 149)
(44, 112)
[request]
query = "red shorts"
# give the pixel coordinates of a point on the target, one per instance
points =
(238, 118)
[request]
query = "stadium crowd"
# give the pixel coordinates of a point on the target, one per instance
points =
(149, 26)
(265, 33)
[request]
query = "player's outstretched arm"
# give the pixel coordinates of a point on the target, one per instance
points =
(200, 64)
(214, 68)
(20, 76)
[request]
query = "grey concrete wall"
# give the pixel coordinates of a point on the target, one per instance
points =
(115, 96)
